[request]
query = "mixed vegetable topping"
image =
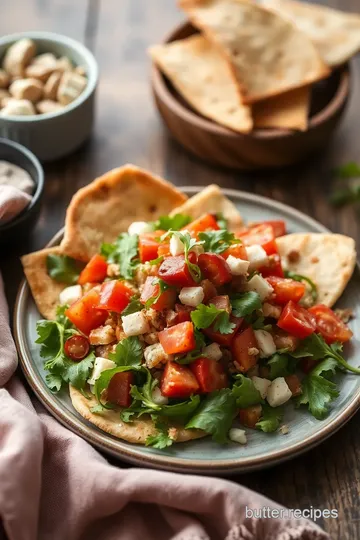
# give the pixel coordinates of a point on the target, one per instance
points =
(194, 325)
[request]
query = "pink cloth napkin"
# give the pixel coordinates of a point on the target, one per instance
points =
(12, 202)
(55, 486)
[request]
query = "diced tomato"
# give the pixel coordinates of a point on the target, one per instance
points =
(263, 235)
(274, 268)
(279, 226)
(241, 348)
(294, 384)
(183, 313)
(174, 271)
(224, 339)
(221, 302)
(166, 299)
(250, 416)
(178, 339)
(149, 245)
(209, 374)
(236, 250)
(286, 289)
(77, 347)
(178, 381)
(307, 364)
(297, 320)
(164, 250)
(85, 313)
(114, 296)
(214, 267)
(209, 290)
(95, 270)
(329, 325)
(203, 223)
(119, 388)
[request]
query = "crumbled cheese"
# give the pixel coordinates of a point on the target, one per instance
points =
(269, 310)
(238, 267)
(139, 227)
(212, 351)
(237, 435)
(265, 343)
(191, 296)
(155, 354)
(257, 257)
(100, 365)
(258, 284)
(70, 295)
(176, 246)
(158, 398)
(135, 324)
(262, 385)
(278, 392)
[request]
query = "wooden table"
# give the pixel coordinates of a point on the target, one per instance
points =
(128, 130)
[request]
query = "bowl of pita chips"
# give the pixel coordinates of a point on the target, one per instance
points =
(248, 85)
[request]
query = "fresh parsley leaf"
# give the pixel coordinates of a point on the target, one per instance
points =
(62, 318)
(245, 392)
(134, 306)
(189, 244)
(183, 408)
(349, 170)
(123, 252)
(175, 223)
(310, 283)
(218, 241)
(194, 354)
(221, 220)
(215, 415)
(97, 409)
(162, 288)
(317, 390)
(144, 394)
(63, 268)
(128, 352)
(280, 365)
(347, 195)
(161, 439)
(154, 262)
(54, 382)
(77, 373)
(204, 316)
(271, 418)
(245, 303)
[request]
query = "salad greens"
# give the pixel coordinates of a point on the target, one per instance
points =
(189, 244)
(124, 252)
(175, 223)
(218, 241)
(63, 268)
(245, 303)
(204, 316)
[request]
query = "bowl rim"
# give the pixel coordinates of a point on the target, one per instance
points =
(39, 183)
(190, 116)
(92, 75)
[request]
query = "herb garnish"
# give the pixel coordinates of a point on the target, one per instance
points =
(204, 316)
(63, 268)
(218, 241)
(175, 223)
(299, 277)
(189, 244)
(124, 252)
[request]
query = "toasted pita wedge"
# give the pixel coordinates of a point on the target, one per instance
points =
(267, 53)
(328, 259)
(335, 34)
(211, 200)
(135, 432)
(44, 289)
(288, 111)
(100, 211)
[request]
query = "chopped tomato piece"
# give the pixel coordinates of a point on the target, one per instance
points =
(224, 339)
(119, 388)
(214, 267)
(183, 313)
(95, 270)
(178, 339)
(286, 289)
(178, 381)
(209, 374)
(174, 271)
(114, 296)
(329, 325)
(77, 347)
(221, 302)
(151, 289)
(307, 364)
(279, 226)
(274, 268)
(209, 290)
(294, 384)
(241, 349)
(164, 250)
(263, 235)
(250, 416)
(237, 250)
(149, 245)
(203, 223)
(297, 320)
(85, 313)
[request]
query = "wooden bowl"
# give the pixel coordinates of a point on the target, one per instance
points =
(262, 148)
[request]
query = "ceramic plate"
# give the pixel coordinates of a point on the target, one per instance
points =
(204, 456)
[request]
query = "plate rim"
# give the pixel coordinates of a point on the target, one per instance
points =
(121, 449)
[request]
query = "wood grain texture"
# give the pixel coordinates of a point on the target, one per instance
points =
(128, 129)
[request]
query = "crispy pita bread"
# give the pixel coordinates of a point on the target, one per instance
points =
(328, 259)
(100, 211)
(267, 53)
(335, 34)
(44, 289)
(135, 432)
(211, 200)
(288, 111)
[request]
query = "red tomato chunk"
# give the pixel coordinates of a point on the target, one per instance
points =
(174, 271)
(263, 235)
(214, 268)
(224, 339)
(203, 223)
(329, 325)
(297, 321)
(209, 374)
(151, 288)
(274, 268)
(286, 289)
(241, 349)
(114, 296)
(178, 381)
(237, 250)
(178, 339)
(119, 388)
(95, 271)
(148, 245)
(85, 313)
(279, 226)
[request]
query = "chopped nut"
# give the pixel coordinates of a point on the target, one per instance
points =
(284, 429)
(64, 64)
(293, 256)
(52, 85)
(80, 70)
(113, 270)
(284, 341)
(4, 79)
(18, 56)
(45, 59)
(39, 71)
(30, 89)
(102, 335)
(71, 86)
(18, 107)
(253, 351)
(151, 338)
(345, 314)
(173, 433)
(271, 310)
(155, 354)
(48, 106)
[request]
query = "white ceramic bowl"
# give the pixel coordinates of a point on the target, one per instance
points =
(54, 135)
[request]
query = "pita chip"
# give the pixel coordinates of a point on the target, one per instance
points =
(288, 111)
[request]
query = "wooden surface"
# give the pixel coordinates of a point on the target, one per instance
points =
(128, 130)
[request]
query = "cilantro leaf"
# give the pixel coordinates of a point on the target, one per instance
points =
(63, 268)
(176, 222)
(183, 408)
(310, 283)
(317, 393)
(280, 365)
(124, 252)
(161, 439)
(271, 418)
(245, 392)
(54, 382)
(144, 394)
(215, 415)
(349, 170)
(189, 244)
(128, 352)
(162, 288)
(204, 316)
(134, 306)
(245, 303)
(218, 241)
(221, 220)
(77, 373)
(347, 195)
(97, 409)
